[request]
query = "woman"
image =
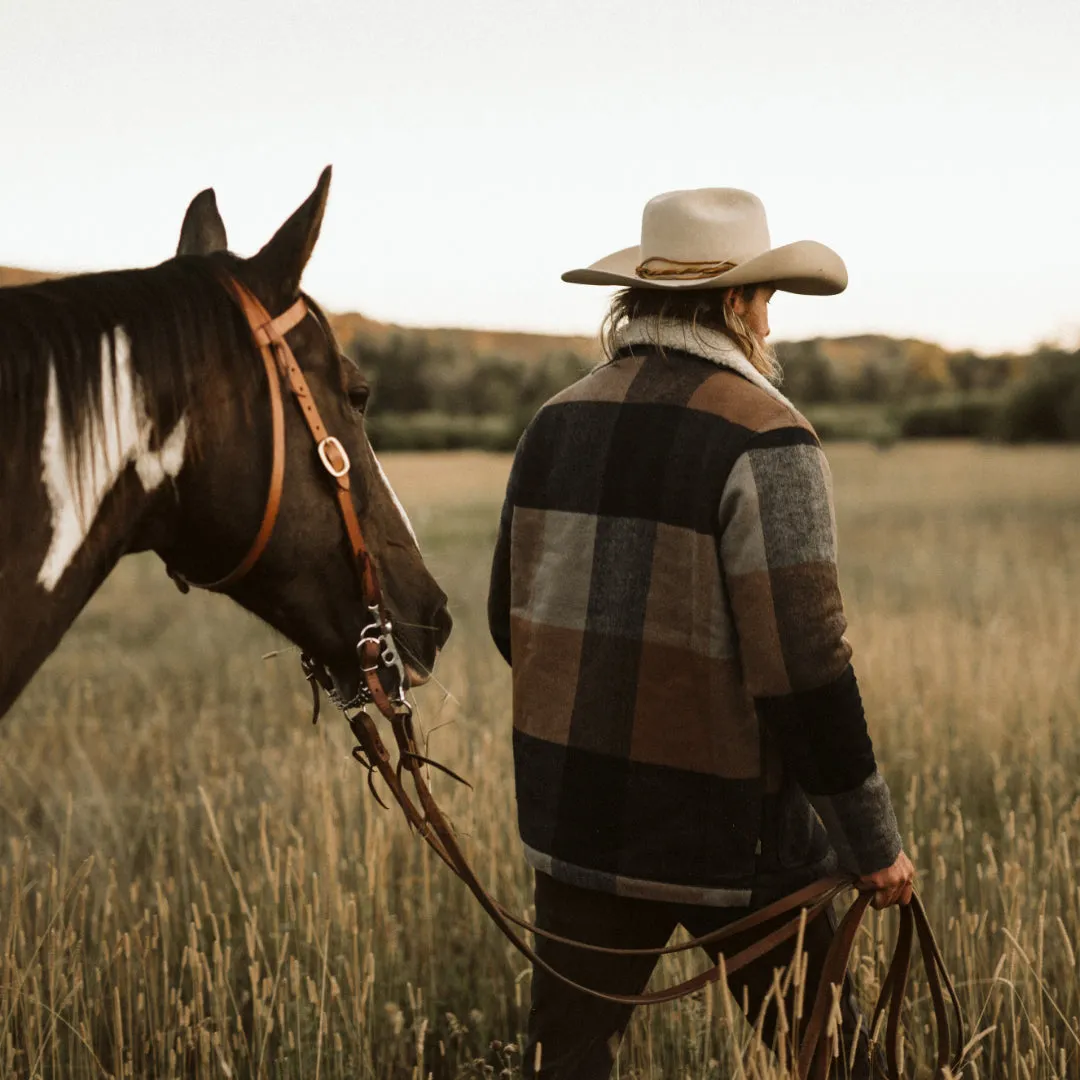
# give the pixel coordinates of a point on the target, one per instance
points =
(689, 738)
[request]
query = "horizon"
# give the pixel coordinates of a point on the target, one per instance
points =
(511, 331)
(481, 151)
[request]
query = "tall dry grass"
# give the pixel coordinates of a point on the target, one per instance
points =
(194, 882)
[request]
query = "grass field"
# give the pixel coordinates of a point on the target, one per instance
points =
(194, 882)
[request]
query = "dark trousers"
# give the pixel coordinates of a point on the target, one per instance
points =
(579, 1035)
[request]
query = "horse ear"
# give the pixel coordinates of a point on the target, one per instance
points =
(281, 262)
(203, 230)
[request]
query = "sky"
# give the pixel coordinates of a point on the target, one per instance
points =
(482, 147)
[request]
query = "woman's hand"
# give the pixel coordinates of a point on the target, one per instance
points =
(892, 885)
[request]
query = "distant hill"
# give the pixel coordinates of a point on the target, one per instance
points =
(9, 275)
(847, 356)
(508, 344)
(866, 366)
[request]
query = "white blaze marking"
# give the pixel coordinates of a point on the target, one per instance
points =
(154, 465)
(396, 500)
(103, 454)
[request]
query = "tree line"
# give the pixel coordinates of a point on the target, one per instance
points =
(432, 396)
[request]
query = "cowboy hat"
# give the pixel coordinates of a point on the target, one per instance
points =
(714, 238)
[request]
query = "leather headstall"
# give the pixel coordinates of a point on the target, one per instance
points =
(269, 335)
(376, 651)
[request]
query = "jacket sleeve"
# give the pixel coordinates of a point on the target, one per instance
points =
(499, 590)
(778, 557)
(498, 605)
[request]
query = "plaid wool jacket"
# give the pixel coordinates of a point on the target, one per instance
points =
(687, 723)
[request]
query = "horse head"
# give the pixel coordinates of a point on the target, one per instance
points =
(305, 581)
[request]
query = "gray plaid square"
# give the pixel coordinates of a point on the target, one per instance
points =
(793, 490)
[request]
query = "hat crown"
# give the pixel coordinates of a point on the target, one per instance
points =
(704, 225)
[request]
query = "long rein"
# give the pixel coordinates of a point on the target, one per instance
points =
(384, 687)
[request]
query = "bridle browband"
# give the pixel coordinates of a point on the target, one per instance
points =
(384, 686)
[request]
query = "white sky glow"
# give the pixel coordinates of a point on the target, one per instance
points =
(481, 148)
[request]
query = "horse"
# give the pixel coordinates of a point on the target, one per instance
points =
(138, 413)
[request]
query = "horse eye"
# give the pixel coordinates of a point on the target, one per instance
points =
(358, 399)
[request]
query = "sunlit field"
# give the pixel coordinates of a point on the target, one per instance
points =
(196, 882)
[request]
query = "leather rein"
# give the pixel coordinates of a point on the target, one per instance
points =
(384, 686)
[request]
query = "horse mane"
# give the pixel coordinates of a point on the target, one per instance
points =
(178, 318)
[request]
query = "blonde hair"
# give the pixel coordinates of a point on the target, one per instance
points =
(709, 309)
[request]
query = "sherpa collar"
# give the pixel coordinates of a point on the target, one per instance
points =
(711, 345)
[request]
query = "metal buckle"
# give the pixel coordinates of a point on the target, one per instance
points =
(324, 457)
(389, 658)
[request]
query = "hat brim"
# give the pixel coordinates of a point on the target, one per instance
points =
(802, 267)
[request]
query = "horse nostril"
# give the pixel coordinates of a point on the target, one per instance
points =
(443, 624)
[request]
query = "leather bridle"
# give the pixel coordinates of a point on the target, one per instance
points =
(384, 686)
(376, 650)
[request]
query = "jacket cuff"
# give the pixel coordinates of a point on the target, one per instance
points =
(862, 825)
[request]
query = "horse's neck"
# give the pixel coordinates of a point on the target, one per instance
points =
(78, 514)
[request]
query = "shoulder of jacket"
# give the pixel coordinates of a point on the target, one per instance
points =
(733, 397)
(604, 383)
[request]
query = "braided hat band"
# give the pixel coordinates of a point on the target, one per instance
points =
(659, 267)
